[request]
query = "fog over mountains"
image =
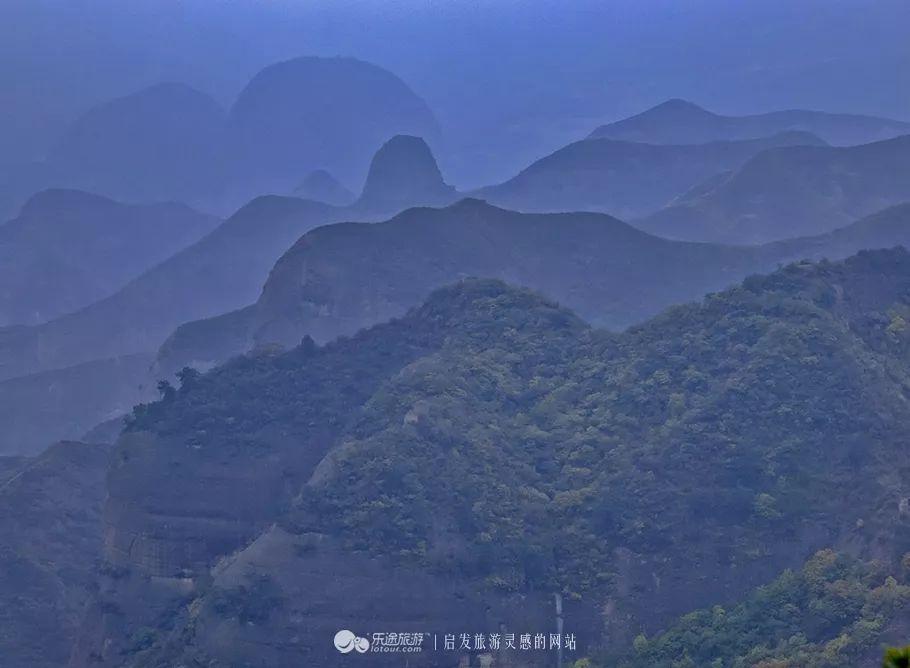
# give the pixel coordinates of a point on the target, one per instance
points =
(171, 142)
(679, 121)
(527, 335)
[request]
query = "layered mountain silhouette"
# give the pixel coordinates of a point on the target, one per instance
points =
(790, 191)
(160, 143)
(206, 303)
(340, 278)
(67, 249)
(623, 178)
(404, 173)
(222, 271)
(321, 186)
(681, 122)
(884, 229)
(319, 113)
(171, 142)
(225, 270)
(490, 443)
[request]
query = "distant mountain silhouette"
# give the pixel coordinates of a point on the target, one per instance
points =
(340, 278)
(626, 179)
(222, 271)
(791, 191)
(321, 186)
(682, 122)
(883, 229)
(404, 173)
(157, 144)
(171, 142)
(67, 249)
(319, 113)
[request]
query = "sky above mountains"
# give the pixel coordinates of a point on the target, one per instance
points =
(502, 76)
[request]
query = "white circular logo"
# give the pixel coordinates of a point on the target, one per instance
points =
(346, 641)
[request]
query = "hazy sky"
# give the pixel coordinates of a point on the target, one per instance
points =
(501, 75)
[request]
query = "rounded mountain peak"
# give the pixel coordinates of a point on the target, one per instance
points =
(324, 113)
(404, 173)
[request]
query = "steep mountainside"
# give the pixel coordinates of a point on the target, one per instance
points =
(497, 451)
(682, 122)
(319, 113)
(222, 271)
(624, 178)
(791, 191)
(67, 249)
(50, 540)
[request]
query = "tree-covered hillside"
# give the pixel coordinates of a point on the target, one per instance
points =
(832, 613)
(491, 438)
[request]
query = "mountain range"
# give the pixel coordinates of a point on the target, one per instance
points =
(67, 249)
(626, 179)
(681, 122)
(790, 191)
(282, 122)
(223, 270)
(172, 142)
(208, 302)
(491, 449)
(340, 278)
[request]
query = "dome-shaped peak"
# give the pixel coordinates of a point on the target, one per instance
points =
(321, 113)
(404, 173)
